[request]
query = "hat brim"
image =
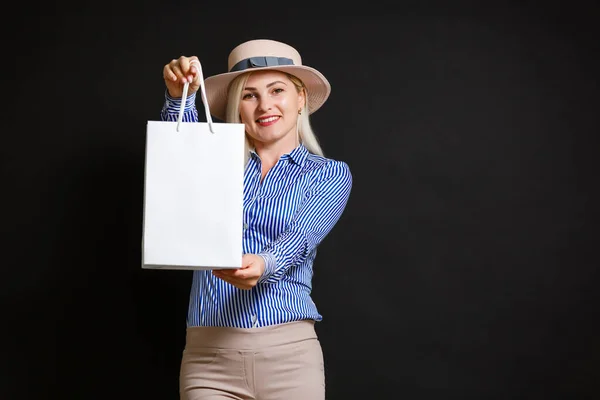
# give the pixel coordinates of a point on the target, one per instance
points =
(317, 87)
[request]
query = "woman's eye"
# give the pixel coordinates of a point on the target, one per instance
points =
(277, 90)
(247, 96)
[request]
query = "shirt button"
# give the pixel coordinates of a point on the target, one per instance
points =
(245, 226)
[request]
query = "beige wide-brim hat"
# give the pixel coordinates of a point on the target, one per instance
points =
(264, 54)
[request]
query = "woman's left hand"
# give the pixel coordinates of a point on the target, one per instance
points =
(246, 277)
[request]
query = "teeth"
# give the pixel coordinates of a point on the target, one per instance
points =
(267, 119)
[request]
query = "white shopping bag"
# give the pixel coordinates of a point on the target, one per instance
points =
(193, 193)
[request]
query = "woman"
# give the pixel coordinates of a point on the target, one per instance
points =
(250, 331)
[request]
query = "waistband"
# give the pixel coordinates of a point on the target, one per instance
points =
(250, 338)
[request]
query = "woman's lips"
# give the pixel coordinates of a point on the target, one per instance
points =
(266, 121)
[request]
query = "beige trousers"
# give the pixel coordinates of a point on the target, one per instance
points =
(280, 362)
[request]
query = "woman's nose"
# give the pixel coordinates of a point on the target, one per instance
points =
(264, 104)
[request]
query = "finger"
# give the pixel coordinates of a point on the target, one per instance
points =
(184, 63)
(176, 69)
(220, 275)
(235, 282)
(179, 73)
(195, 69)
(226, 275)
(168, 73)
(238, 275)
(194, 65)
(230, 271)
(244, 273)
(246, 278)
(221, 272)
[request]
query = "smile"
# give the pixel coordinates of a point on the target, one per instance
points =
(267, 120)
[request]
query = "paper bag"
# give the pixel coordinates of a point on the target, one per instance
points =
(193, 194)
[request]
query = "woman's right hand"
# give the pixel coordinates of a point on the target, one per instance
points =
(178, 72)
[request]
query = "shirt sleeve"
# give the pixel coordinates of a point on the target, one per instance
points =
(172, 105)
(319, 212)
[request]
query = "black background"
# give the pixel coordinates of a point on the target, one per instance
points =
(464, 266)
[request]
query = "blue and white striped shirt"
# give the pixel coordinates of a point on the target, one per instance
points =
(285, 218)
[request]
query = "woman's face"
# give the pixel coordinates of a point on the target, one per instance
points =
(269, 107)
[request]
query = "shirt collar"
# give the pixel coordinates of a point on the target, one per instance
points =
(297, 156)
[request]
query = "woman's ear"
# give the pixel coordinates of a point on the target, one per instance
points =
(302, 98)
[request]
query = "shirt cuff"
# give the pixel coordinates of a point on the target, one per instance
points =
(173, 104)
(270, 265)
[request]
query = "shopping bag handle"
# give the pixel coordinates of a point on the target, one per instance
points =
(202, 93)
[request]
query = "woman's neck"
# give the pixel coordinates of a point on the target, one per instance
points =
(271, 153)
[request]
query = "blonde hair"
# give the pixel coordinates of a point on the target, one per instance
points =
(306, 135)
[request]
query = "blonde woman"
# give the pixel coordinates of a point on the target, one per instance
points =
(250, 331)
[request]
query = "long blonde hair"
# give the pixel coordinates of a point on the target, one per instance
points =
(306, 135)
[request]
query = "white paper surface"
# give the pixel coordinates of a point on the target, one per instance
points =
(193, 196)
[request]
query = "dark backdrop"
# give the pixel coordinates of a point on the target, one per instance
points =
(464, 266)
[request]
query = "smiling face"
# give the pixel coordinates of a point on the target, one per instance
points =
(269, 108)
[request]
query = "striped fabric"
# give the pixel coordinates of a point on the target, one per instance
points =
(285, 218)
